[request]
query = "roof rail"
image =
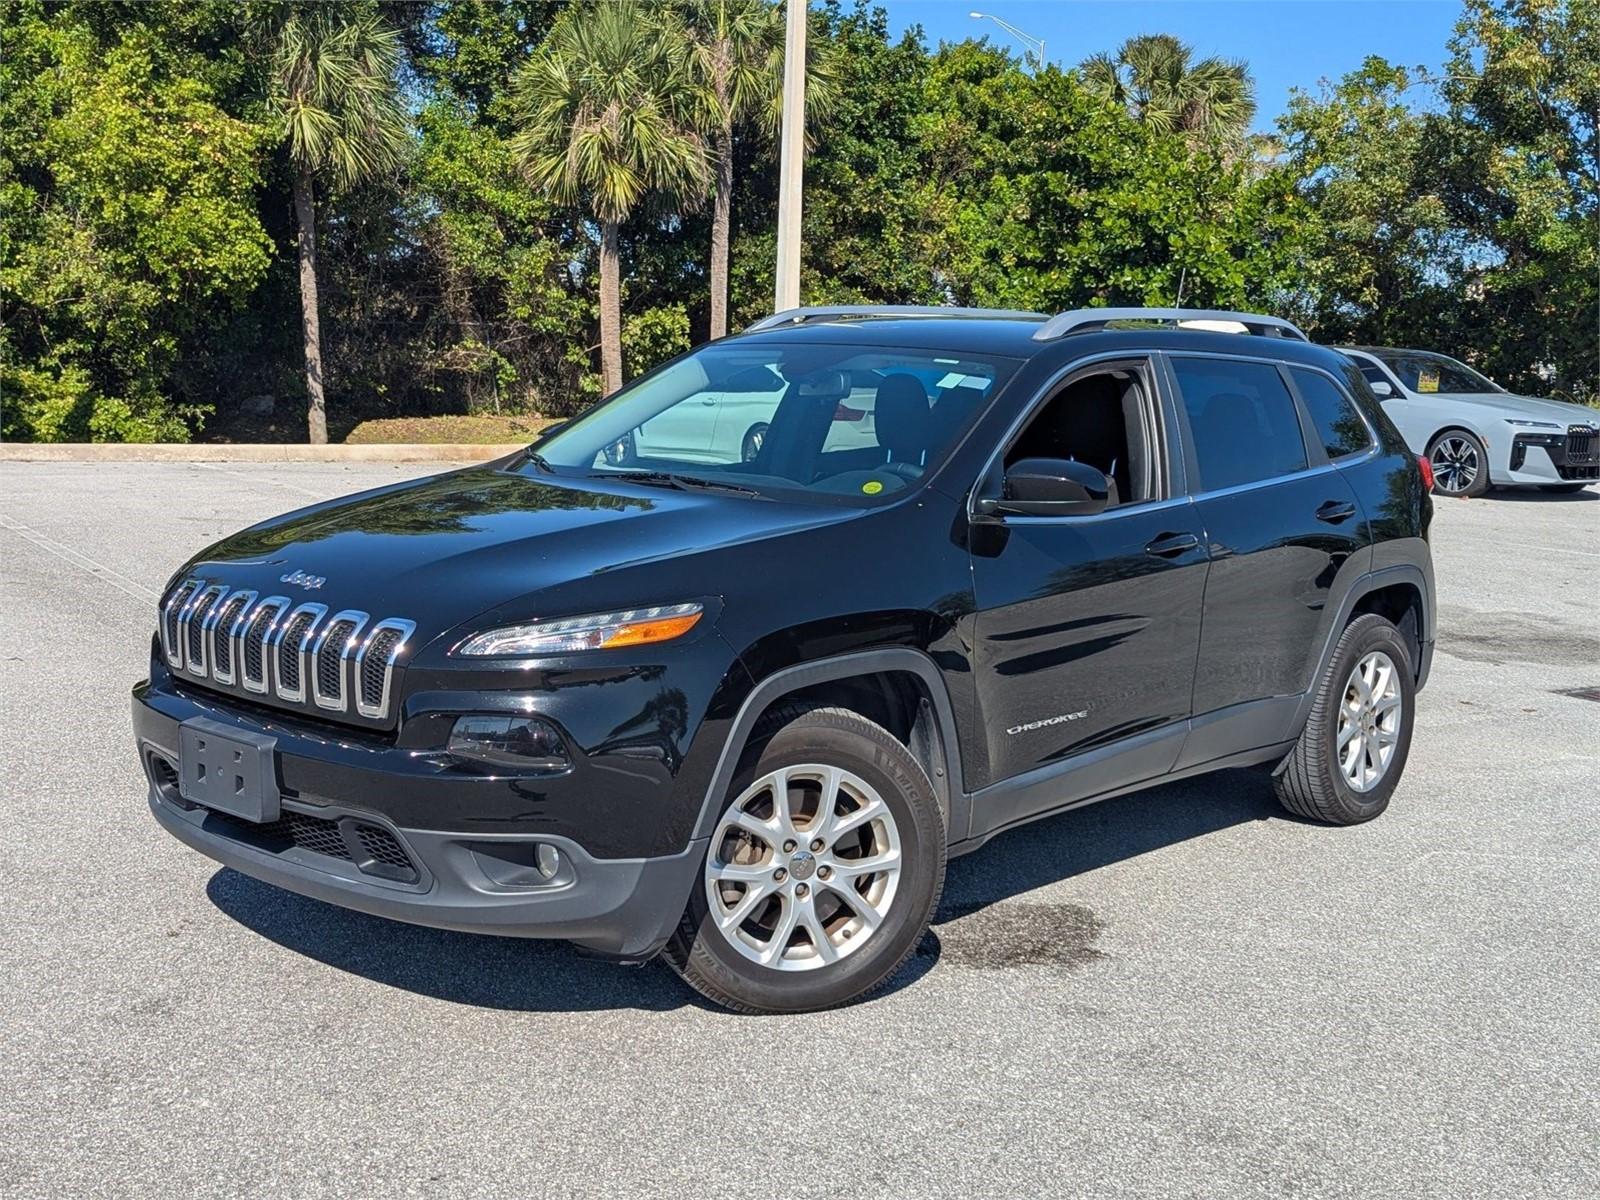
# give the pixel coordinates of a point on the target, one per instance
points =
(1081, 320)
(829, 312)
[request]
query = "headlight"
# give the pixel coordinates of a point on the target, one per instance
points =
(601, 631)
(1531, 424)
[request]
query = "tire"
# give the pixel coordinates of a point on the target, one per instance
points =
(1315, 780)
(1562, 489)
(862, 949)
(750, 445)
(1460, 464)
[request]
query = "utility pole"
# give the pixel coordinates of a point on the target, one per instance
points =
(792, 156)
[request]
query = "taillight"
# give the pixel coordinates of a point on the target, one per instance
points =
(1427, 471)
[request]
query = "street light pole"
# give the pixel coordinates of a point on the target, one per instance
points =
(791, 157)
(1031, 44)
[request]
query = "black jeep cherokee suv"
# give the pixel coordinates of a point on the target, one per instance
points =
(728, 665)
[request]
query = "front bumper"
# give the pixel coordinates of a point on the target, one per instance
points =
(1555, 458)
(475, 880)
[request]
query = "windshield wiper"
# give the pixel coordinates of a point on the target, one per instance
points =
(538, 460)
(682, 482)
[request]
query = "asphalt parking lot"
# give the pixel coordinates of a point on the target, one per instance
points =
(1185, 993)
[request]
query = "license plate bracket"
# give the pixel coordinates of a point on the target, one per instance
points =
(229, 770)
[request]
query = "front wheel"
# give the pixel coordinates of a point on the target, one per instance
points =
(823, 872)
(1350, 755)
(1460, 464)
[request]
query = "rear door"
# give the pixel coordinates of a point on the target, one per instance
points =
(1283, 529)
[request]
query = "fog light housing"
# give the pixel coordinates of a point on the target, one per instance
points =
(523, 743)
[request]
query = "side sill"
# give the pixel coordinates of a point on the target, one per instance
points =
(1245, 758)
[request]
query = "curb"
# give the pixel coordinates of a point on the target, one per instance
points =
(251, 452)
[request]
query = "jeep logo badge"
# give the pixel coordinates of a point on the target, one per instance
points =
(309, 582)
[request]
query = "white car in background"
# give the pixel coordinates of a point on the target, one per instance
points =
(1474, 433)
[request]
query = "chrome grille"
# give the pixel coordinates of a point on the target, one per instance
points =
(271, 647)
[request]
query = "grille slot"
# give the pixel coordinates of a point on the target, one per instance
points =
(335, 644)
(374, 667)
(258, 627)
(171, 643)
(290, 643)
(219, 634)
(273, 648)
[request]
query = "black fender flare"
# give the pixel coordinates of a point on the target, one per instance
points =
(948, 781)
(1371, 582)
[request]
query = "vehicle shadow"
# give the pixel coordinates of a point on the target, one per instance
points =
(1535, 496)
(535, 976)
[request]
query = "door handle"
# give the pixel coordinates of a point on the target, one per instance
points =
(1170, 545)
(1334, 511)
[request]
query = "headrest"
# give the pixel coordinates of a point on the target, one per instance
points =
(901, 416)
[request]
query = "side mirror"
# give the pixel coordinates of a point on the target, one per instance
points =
(1382, 390)
(1051, 487)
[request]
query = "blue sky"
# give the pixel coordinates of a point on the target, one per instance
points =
(1287, 43)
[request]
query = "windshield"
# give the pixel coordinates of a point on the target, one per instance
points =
(1422, 372)
(807, 420)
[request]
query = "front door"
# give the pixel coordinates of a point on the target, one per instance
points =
(1087, 626)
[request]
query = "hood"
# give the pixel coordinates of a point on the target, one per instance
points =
(1527, 408)
(444, 549)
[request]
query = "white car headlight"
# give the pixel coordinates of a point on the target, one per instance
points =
(598, 631)
(1531, 424)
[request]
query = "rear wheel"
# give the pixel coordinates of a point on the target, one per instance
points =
(1353, 749)
(1460, 464)
(823, 872)
(754, 438)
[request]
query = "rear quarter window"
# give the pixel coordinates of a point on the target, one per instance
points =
(1333, 413)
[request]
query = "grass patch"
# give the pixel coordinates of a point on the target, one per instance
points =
(439, 431)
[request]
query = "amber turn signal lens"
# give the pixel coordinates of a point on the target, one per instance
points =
(644, 632)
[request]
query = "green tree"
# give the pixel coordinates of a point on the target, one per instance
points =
(1155, 77)
(610, 115)
(1380, 256)
(335, 82)
(1521, 172)
(130, 225)
(1042, 196)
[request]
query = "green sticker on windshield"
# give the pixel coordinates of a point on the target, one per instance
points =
(872, 487)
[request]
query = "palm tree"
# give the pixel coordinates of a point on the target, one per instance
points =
(1153, 77)
(334, 80)
(737, 52)
(610, 115)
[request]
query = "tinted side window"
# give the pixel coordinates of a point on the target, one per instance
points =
(1333, 413)
(1243, 419)
(1375, 375)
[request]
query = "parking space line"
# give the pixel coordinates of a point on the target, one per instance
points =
(82, 561)
(256, 479)
(1537, 549)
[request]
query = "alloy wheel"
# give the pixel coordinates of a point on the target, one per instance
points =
(803, 867)
(1455, 464)
(1369, 721)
